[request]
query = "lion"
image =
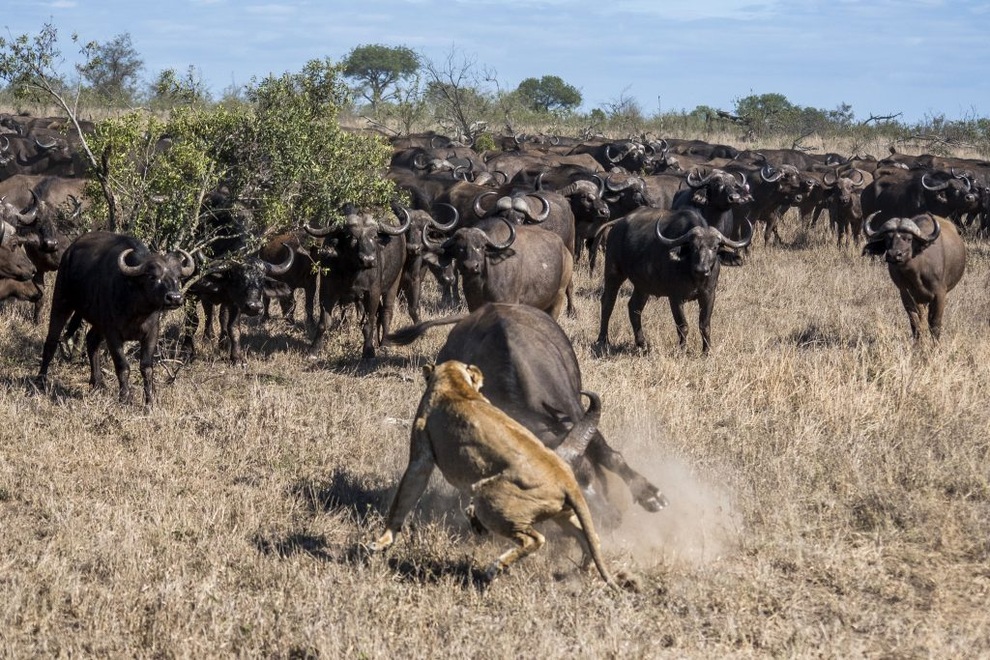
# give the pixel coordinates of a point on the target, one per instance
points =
(513, 480)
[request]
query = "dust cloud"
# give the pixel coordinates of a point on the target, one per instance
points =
(700, 525)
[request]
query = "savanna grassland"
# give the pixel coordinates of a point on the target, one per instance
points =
(829, 487)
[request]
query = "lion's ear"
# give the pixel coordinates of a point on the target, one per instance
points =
(477, 378)
(428, 371)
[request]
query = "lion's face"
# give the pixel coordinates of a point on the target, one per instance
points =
(453, 372)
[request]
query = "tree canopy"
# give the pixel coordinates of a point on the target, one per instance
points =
(112, 69)
(548, 93)
(378, 68)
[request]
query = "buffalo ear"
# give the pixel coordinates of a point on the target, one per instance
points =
(499, 255)
(276, 289)
(874, 248)
(730, 258)
(208, 284)
(677, 254)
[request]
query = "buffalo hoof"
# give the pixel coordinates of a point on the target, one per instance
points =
(653, 503)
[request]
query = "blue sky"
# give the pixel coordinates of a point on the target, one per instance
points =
(919, 57)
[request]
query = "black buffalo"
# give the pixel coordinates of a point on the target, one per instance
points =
(503, 262)
(237, 287)
(668, 254)
(362, 261)
(120, 288)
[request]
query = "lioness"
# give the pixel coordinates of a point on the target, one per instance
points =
(514, 480)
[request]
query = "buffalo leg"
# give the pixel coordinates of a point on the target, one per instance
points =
(319, 337)
(116, 347)
(56, 322)
(411, 488)
(233, 331)
(388, 311)
(637, 302)
(148, 346)
(189, 327)
(93, 340)
(706, 303)
(680, 321)
(309, 296)
(935, 309)
(411, 286)
(644, 493)
(39, 281)
(208, 315)
(913, 312)
(370, 325)
(609, 294)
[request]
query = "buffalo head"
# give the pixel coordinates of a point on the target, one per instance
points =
(899, 239)
(158, 276)
(703, 246)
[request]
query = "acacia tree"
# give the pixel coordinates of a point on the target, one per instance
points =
(455, 90)
(378, 69)
(766, 112)
(112, 69)
(548, 93)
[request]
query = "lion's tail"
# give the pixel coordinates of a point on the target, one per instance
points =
(576, 501)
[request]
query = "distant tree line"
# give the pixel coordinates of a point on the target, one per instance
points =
(278, 141)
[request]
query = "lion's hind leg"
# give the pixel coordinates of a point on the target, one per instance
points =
(498, 507)
(528, 540)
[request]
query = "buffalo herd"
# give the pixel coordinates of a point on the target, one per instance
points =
(501, 232)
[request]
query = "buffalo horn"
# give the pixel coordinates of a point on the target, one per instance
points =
(695, 180)
(933, 187)
(767, 172)
(46, 146)
(130, 271)
(673, 242)
(545, 212)
(601, 185)
(188, 263)
(450, 225)
(318, 232)
(910, 225)
(395, 231)
(282, 268)
(478, 209)
(741, 243)
(502, 246)
(538, 184)
(870, 233)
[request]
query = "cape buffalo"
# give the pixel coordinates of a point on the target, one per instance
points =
(530, 265)
(668, 254)
(121, 289)
(925, 257)
(363, 261)
(236, 287)
(532, 373)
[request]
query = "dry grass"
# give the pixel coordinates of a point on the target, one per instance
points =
(829, 487)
